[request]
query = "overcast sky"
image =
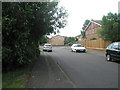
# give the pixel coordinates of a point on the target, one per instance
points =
(80, 10)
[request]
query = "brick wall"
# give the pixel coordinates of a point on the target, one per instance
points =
(91, 31)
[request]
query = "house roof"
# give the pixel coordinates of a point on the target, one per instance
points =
(98, 22)
(56, 36)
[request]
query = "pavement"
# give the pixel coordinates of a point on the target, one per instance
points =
(46, 73)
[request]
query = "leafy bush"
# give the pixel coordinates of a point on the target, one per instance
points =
(93, 39)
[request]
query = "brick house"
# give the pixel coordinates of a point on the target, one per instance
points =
(91, 29)
(56, 40)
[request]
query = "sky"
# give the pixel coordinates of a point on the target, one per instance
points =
(81, 10)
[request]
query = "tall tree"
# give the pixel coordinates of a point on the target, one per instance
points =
(110, 27)
(24, 24)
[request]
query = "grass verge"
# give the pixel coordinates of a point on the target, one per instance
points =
(15, 79)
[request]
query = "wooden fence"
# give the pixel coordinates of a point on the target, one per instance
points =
(95, 44)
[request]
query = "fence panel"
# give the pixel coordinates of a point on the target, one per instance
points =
(95, 43)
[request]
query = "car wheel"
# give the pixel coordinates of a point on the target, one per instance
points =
(84, 51)
(108, 57)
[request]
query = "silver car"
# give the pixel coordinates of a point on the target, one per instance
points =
(47, 47)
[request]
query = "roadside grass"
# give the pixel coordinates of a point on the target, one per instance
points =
(15, 79)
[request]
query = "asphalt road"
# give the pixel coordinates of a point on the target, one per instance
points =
(86, 70)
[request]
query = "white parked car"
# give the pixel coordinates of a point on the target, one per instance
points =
(47, 47)
(78, 48)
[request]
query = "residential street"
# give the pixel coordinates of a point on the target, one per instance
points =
(65, 69)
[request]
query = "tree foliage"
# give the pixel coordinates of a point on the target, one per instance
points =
(85, 24)
(43, 40)
(83, 34)
(70, 40)
(84, 27)
(110, 27)
(24, 24)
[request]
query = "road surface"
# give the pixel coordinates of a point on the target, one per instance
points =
(65, 69)
(86, 70)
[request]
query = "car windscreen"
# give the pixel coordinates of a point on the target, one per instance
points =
(78, 46)
(116, 46)
(48, 45)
